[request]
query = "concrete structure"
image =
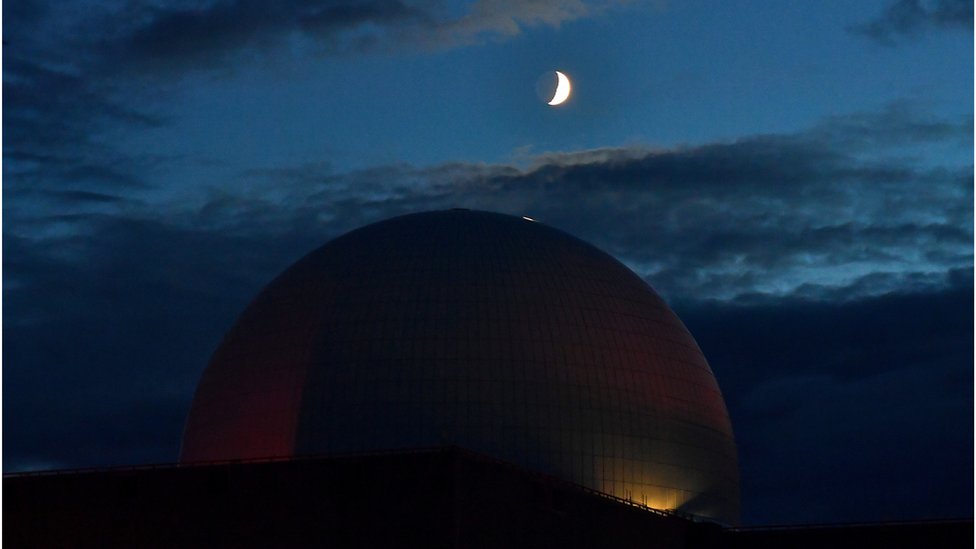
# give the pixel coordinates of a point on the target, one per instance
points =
(436, 498)
(488, 332)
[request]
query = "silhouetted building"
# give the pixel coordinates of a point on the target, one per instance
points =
(431, 499)
(485, 331)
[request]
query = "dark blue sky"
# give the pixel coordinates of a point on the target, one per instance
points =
(795, 178)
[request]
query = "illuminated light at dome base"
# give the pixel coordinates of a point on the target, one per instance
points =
(493, 333)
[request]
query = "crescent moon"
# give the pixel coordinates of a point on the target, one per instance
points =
(562, 90)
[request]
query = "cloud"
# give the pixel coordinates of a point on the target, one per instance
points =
(504, 18)
(178, 37)
(822, 212)
(53, 114)
(826, 212)
(113, 63)
(107, 58)
(861, 405)
(206, 36)
(110, 321)
(55, 117)
(834, 441)
(897, 124)
(912, 18)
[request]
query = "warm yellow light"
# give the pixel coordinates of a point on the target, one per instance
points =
(651, 496)
(563, 88)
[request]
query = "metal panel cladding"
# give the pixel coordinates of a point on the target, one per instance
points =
(493, 333)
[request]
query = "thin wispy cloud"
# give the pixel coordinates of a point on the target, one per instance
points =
(907, 19)
(811, 212)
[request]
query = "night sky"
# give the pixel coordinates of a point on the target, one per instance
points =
(795, 178)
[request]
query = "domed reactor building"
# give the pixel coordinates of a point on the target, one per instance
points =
(487, 332)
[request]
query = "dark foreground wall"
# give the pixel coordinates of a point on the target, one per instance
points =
(439, 498)
(954, 533)
(445, 498)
